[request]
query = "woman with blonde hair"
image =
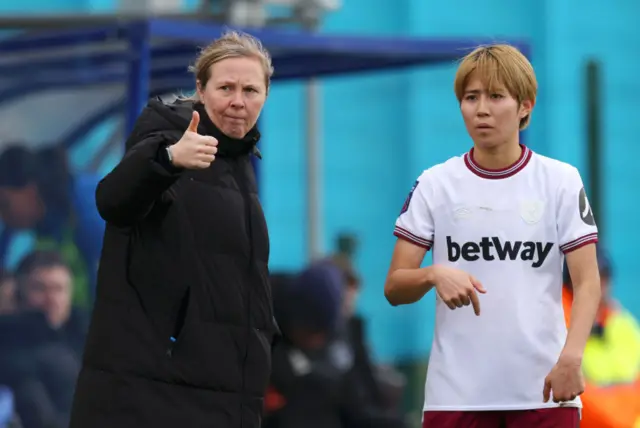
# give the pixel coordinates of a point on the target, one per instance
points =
(500, 220)
(183, 322)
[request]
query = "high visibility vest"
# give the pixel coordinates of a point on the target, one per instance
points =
(614, 357)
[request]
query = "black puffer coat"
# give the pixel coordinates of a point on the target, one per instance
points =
(183, 323)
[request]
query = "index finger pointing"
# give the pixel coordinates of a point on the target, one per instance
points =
(475, 302)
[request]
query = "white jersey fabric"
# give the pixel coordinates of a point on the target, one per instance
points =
(510, 229)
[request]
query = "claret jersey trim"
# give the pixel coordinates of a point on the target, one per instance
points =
(494, 174)
(414, 239)
(591, 238)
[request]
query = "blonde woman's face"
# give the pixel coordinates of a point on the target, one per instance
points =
(234, 95)
(491, 117)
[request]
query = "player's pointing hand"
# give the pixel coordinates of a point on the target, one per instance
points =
(194, 151)
(457, 288)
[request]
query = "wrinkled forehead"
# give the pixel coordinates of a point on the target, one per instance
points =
(243, 70)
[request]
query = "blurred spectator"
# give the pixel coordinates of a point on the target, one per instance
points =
(380, 387)
(42, 343)
(7, 292)
(45, 285)
(352, 284)
(37, 193)
(611, 360)
(310, 383)
(612, 353)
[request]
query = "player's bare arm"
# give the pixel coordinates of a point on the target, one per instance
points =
(585, 277)
(565, 381)
(407, 282)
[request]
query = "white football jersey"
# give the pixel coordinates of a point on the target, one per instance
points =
(510, 229)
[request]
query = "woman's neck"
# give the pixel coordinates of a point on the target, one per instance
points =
(500, 157)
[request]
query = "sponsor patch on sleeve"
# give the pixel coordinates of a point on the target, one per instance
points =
(584, 208)
(407, 201)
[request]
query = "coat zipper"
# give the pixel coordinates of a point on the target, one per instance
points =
(236, 168)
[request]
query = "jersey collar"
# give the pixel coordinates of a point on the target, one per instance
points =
(494, 174)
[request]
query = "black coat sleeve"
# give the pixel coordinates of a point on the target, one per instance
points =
(127, 194)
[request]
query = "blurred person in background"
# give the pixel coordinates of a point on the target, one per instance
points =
(183, 322)
(45, 287)
(501, 220)
(8, 415)
(612, 354)
(42, 342)
(7, 292)
(611, 361)
(38, 194)
(311, 382)
(380, 386)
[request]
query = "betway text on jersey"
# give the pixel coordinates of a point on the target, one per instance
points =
(492, 248)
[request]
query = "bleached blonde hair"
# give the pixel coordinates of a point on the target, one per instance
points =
(499, 65)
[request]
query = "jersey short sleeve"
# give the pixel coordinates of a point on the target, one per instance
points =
(415, 223)
(576, 225)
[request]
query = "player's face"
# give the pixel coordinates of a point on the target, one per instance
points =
(493, 117)
(235, 94)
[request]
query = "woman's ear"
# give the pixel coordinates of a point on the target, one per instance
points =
(199, 89)
(525, 108)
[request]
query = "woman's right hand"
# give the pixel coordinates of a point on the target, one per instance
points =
(457, 288)
(194, 151)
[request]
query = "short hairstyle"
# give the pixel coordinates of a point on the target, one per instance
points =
(495, 65)
(18, 166)
(37, 260)
(348, 270)
(232, 44)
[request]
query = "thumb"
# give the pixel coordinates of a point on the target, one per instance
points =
(546, 392)
(477, 285)
(195, 120)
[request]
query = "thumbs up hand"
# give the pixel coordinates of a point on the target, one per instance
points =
(194, 151)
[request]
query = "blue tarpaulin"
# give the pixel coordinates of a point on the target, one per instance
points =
(152, 56)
